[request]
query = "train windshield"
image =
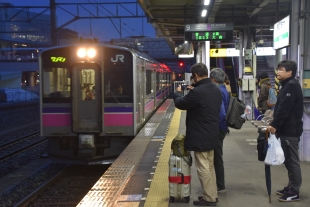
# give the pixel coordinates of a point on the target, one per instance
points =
(87, 80)
(118, 77)
(56, 76)
(57, 82)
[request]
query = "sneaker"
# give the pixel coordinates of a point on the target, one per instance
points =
(289, 196)
(203, 202)
(283, 191)
(221, 190)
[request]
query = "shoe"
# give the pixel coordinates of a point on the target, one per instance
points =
(221, 190)
(201, 197)
(203, 202)
(289, 196)
(283, 191)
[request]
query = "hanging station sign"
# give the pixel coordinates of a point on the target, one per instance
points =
(207, 32)
(281, 33)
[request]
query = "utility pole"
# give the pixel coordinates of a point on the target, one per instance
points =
(53, 22)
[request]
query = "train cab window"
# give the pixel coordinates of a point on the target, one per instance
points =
(57, 83)
(87, 80)
(118, 77)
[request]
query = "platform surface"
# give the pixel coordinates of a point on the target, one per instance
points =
(139, 177)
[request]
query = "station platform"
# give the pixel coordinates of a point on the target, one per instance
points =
(139, 177)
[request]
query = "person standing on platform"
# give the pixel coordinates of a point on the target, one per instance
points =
(227, 84)
(264, 85)
(288, 125)
(203, 104)
(217, 76)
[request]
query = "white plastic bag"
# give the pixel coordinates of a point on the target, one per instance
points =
(275, 154)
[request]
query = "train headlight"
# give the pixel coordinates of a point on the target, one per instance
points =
(91, 53)
(81, 52)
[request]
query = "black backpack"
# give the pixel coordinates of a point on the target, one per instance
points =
(234, 112)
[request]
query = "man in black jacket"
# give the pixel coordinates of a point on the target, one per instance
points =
(287, 124)
(203, 103)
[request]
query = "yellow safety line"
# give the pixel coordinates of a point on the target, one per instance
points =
(158, 195)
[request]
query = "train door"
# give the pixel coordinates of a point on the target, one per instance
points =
(142, 85)
(86, 95)
(139, 103)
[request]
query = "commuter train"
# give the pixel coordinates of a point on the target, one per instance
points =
(95, 98)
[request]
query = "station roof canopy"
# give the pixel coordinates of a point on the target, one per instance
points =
(170, 16)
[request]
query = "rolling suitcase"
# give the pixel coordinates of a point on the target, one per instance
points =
(179, 178)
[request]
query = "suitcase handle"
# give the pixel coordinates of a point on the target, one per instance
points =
(182, 178)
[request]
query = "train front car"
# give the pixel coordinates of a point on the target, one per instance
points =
(86, 101)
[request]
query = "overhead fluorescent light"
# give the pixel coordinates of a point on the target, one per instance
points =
(186, 55)
(204, 13)
(206, 2)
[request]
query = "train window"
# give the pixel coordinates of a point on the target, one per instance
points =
(157, 81)
(118, 76)
(87, 80)
(148, 82)
(57, 83)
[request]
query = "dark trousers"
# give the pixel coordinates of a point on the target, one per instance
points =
(292, 162)
(218, 161)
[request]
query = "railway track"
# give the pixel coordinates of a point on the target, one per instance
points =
(66, 188)
(19, 145)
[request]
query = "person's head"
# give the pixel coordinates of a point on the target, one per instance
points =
(286, 69)
(199, 71)
(217, 75)
(120, 88)
(263, 75)
(227, 81)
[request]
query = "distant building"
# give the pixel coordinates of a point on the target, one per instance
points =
(21, 40)
(15, 28)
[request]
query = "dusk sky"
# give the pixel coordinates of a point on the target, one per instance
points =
(101, 29)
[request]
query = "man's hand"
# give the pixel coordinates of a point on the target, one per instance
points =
(179, 88)
(271, 129)
(190, 87)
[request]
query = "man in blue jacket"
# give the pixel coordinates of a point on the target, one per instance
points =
(203, 103)
(217, 76)
(287, 124)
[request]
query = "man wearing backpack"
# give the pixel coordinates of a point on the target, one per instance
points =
(288, 125)
(217, 76)
(203, 103)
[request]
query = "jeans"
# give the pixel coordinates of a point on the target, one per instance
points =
(292, 162)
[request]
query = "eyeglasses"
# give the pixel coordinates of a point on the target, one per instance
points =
(282, 69)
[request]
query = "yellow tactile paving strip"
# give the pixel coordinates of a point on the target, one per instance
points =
(158, 195)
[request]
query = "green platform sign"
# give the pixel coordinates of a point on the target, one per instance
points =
(207, 32)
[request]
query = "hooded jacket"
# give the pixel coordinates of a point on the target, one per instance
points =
(263, 94)
(288, 112)
(203, 104)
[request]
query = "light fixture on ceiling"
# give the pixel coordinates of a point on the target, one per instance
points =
(271, 27)
(206, 2)
(204, 13)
